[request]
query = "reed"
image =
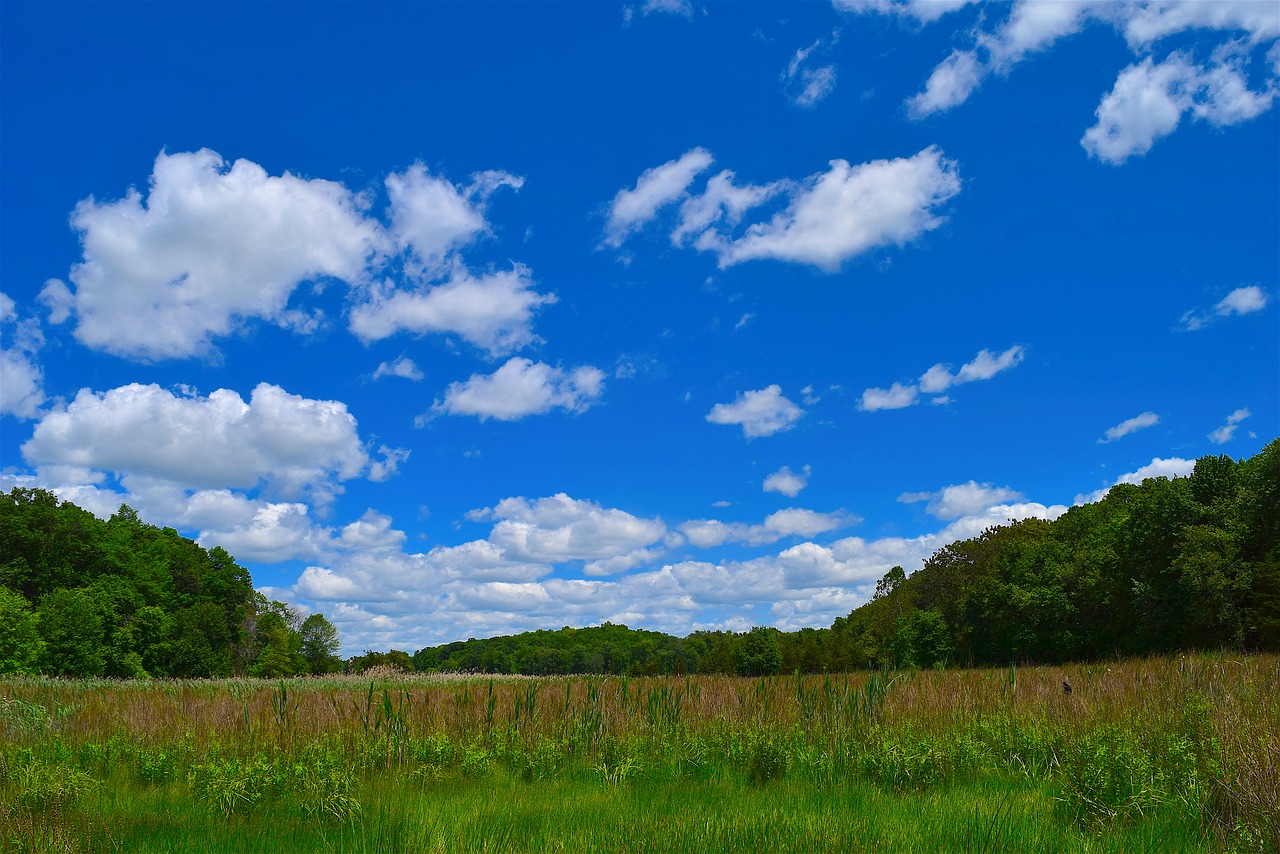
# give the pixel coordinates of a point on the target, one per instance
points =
(1184, 748)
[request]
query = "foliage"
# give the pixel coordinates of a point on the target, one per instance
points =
(84, 597)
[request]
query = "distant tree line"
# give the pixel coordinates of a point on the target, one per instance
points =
(1170, 564)
(1166, 565)
(83, 597)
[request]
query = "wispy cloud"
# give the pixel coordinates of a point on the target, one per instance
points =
(1130, 425)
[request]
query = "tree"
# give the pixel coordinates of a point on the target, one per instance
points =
(759, 653)
(71, 624)
(320, 645)
(21, 646)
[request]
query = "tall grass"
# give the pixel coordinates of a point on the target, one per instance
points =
(1179, 753)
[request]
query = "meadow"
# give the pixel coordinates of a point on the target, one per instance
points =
(1168, 754)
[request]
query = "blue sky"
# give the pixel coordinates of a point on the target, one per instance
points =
(454, 320)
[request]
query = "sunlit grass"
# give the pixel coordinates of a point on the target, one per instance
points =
(1172, 754)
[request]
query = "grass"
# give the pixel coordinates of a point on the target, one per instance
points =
(1170, 754)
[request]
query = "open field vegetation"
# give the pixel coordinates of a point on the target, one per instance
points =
(1166, 754)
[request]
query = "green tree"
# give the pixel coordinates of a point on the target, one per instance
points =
(320, 645)
(759, 653)
(21, 646)
(71, 625)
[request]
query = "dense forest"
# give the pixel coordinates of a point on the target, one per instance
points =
(80, 596)
(1166, 565)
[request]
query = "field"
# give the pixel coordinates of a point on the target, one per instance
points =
(1159, 755)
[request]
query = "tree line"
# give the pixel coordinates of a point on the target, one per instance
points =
(1165, 565)
(84, 597)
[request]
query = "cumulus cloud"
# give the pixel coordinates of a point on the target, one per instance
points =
(432, 218)
(793, 521)
(786, 482)
(560, 528)
(763, 412)
(208, 247)
(1149, 97)
(657, 187)
(939, 378)
(1243, 300)
(521, 388)
(211, 248)
(1227, 431)
(21, 377)
(493, 311)
(1149, 100)
(1171, 467)
(897, 396)
(846, 211)
(962, 499)
(1130, 425)
(830, 217)
(287, 444)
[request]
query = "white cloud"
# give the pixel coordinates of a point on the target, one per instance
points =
(1170, 468)
(922, 11)
(847, 210)
(897, 396)
(559, 528)
(963, 499)
(786, 482)
(433, 218)
(657, 187)
(830, 217)
(492, 311)
(21, 377)
(984, 366)
(939, 378)
(1149, 100)
(813, 84)
(209, 247)
(1227, 431)
(1242, 300)
(1130, 425)
(521, 388)
(793, 521)
(950, 85)
(683, 8)
(402, 367)
(760, 413)
(723, 200)
(287, 444)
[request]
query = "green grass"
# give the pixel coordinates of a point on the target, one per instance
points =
(1162, 755)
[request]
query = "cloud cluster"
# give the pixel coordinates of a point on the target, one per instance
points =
(1150, 97)
(1242, 300)
(763, 412)
(288, 446)
(939, 379)
(502, 585)
(1130, 425)
(212, 247)
(828, 218)
(521, 388)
